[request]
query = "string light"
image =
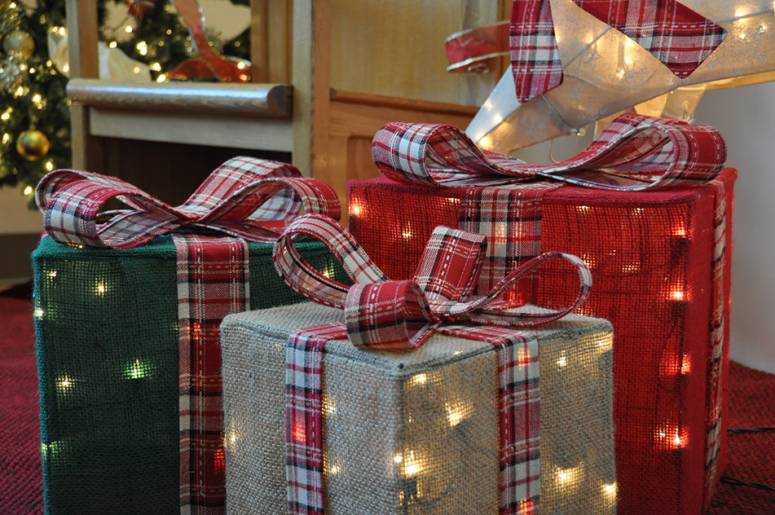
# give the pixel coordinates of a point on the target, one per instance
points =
(161, 78)
(6, 114)
(679, 231)
(137, 370)
(136, 70)
(51, 274)
(49, 165)
(38, 313)
(398, 459)
(241, 65)
(334, 470)
(355, 209)
(155, 66)
(65, 383)
(6, 138)
(418, 379)
(28, 190)
(100, 289)
(677, 295)
(412, 467)
(457, 412)
(128, 29)
(406, 234)
(562, 362)
(609, 489)
(568, 476)
(112, 44)
(142, 47)
(66, 68)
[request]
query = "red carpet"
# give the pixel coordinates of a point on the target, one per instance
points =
(751, 456)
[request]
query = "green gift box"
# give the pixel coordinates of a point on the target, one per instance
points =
(107, 344)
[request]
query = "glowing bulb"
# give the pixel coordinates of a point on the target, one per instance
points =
(38, 313)
(333, 470)
(136, 69)
(100, 289)
(112, 44)
(18, 91)
(168, 32)
(161, 78)
(51, 274)
(49, 166)
(406, 234)
(456, 413)
(155, 66)
(562, 362)
(241, 65)
(609, 489)
(677, 295)
(568, 475)
(398, 458)
(419, 379)
(5, 116)
(411, 466)
(142, 47)
(37, 98)
(6, 138)
(28, 190)
(64, 383)
(355, 209)
(66, 68)
(677, 441)
(679, 232)
(128, 29)
(583, 209)
(243, 77)
(136, 370)
(686, 364)
(232, 438)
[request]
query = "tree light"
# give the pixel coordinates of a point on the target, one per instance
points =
(112, 44)
(28, 190)
(142, 47)
(137, 370)
(161, 78)
(65, 383)
(100, 289)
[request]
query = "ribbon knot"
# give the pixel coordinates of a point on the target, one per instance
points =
(396, 315)
(244, 197)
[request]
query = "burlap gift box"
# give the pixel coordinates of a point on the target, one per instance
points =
(416, 432)
(651, 254)
(107, 343)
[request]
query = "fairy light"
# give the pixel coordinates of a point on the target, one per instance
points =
(334, 470)
(65, 384)
(406, 234)
(568, 476)
(679, 231)
(28, 191)
(631, 268)
(162, 77)
(51, 274)
(241, 65)
(136, 70)
(458, 412)
(128, 29)
(355, 209)
(112, 44)
(66, 68)
(49, 165)
(562, 361)
(609, 489)
(672, 437)
(583, 209)
(142, 47)
(397, 459)
(155, 66)
(38, 313)
(6, 138)
(412, 466)
(677, 295)
(6, 114)
(137, 370)
(329, 407)
(37, 99)
(20, 91)
(100, 289)
(243, 77)
(418, 379)
(168, 32)
(686, 364)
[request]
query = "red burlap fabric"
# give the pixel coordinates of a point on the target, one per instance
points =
(651, 258)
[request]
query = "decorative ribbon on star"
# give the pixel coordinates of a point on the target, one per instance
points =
(381, 314)
(633, 153)
(677, 36)
(245, 199)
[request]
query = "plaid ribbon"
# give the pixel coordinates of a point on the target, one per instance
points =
(677, 36)
(399, 315)
(504, 196)
(245, 199)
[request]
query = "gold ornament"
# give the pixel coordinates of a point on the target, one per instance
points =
(19, 44)
(32, 145)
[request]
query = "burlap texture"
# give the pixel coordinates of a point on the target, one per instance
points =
(416, 432)
(107, 345)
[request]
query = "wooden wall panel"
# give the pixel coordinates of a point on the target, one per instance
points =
(396, 48)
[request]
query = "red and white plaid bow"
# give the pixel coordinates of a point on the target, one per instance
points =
(244, 197)
(397, 315)
(633, 153)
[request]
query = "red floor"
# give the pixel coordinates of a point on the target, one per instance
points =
(752, 456)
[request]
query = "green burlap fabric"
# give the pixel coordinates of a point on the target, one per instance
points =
(107, 344)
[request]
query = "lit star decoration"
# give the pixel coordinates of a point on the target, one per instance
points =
(576, 62)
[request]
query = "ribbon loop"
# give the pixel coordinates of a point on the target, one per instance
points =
(633, 153)
(245, 197)
(397, 315)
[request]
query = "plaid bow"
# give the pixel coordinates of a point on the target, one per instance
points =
(633, 153)
(398, 315)
(674, 34)
(245, 199)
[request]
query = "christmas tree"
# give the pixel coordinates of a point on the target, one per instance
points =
(34, 109)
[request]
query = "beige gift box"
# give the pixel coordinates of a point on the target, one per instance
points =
(417, 431)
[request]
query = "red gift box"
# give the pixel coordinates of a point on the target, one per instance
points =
(652, 259)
